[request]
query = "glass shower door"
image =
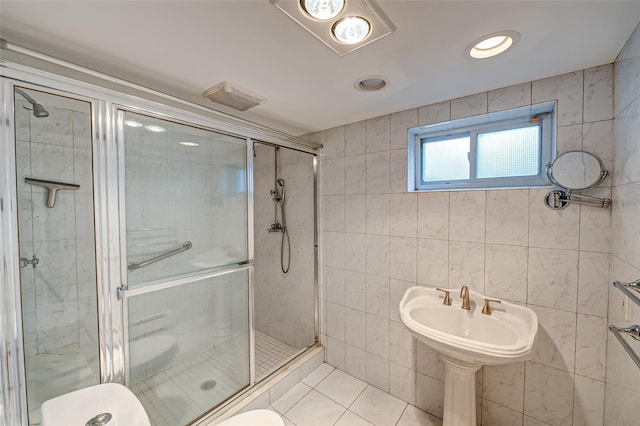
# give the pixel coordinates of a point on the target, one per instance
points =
(187, 284)
(57, 245)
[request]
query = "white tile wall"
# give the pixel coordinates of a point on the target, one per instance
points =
(504, 243)
(622, 376)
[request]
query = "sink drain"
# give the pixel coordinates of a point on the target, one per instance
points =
(208, 385)
(99, 420)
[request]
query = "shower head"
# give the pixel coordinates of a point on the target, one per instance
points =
(280, 182)
(38, 110)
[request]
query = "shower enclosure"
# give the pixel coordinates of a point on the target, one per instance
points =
(284, 246)
(135, 249)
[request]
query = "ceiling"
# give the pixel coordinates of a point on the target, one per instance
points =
(184, 47)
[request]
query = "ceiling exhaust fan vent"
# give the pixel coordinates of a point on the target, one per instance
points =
(226, 94)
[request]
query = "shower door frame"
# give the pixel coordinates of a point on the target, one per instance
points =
(105, 103)
(123, 293)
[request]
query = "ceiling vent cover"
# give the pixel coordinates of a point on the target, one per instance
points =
(226, 94)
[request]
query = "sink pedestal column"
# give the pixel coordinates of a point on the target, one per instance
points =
(459, 392)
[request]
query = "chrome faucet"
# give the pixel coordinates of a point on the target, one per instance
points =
(464, 293)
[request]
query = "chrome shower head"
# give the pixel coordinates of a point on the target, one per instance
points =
(280, 182)
(38, 110)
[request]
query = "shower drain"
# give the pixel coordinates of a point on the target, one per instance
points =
(208, 385)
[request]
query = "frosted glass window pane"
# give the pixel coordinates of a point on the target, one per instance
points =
(513, 152)
(445, 160)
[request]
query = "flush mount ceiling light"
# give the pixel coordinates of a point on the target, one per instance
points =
(342, 27)
(322, 9)
(371, 84)
(492, 44)
(189, 143)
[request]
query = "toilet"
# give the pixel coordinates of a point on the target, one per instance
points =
(109, 404)
(254, 418)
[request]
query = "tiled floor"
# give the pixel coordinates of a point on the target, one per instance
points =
(329, 397)
(271, 354)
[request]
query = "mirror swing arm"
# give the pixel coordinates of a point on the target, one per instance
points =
(562, 196)
(559, 199)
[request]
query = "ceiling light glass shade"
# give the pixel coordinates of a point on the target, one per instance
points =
(351, 30)
(133, 123)
(323, 9)
(156, 129)
(493, 44)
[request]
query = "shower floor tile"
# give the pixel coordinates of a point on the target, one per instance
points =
(179, 394)
(271, 354)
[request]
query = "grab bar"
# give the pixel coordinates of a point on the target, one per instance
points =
(617, 331)
(185, 246)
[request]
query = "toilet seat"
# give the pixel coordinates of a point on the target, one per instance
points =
(254, 418)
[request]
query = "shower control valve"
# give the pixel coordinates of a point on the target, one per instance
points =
(275, 227)
(24, 262)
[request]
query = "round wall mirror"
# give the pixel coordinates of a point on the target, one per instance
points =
(577, 171)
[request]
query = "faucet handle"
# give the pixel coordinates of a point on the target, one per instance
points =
(447, 299)
(486, 309)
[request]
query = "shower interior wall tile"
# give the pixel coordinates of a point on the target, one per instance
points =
(293, 291)
(622, 375)
(505, 243)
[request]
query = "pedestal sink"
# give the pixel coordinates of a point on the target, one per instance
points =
(466, 340)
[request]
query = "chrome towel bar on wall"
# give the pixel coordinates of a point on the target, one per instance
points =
(618, 332)
(632, 291)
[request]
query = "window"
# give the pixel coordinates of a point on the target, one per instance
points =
(506, 149)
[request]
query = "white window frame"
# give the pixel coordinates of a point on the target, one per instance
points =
(495, 121)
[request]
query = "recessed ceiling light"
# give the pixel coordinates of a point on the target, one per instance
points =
(189, 143)
(322, 9)
(156, 129)
(133, 123)
(371, 84)
(351, 30)
(492, 44)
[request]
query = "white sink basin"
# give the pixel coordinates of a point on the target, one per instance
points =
(507, 335)
(467, 340)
